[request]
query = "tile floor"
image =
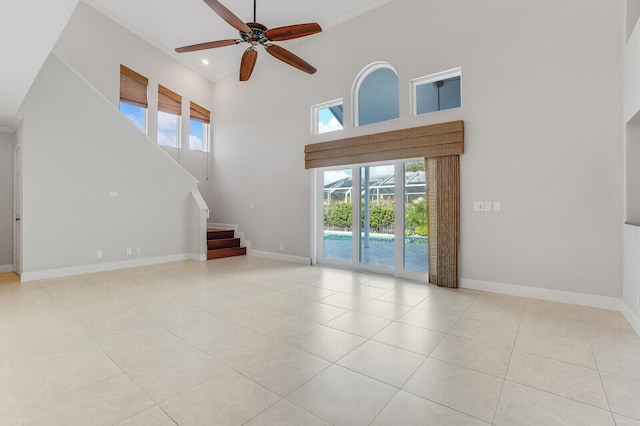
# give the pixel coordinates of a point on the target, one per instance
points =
(249, 341)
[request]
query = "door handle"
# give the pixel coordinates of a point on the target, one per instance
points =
(17, 219)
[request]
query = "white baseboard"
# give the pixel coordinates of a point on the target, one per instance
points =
(594, 301)
(198, 257)
(6, 268)
(278, 256)
(630, 316)
(101, 267)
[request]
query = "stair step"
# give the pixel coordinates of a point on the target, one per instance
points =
(222, 243)
(218, 234)
(226, 252)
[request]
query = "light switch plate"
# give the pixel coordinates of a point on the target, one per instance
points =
(497, 206)
(478, 206)
(487, 206)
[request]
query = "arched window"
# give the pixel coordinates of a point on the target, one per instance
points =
(376, 94)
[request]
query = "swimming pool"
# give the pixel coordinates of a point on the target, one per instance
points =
(338, 245)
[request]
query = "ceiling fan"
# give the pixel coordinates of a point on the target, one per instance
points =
(255, 34)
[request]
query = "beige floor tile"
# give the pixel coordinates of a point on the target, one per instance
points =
(140, 348)
(343, 397)
(153, 416)
(9, 411)
(572, 351)
(344, 300)
(535, 309)
(455, 301)
(353, 287)
(459, 388)
(475, 355)
(285, 413)
(275, 324)
(625, 421)
(326, 342)
(495, 309)
(221, 338)
(382, 362)
(618, 356)
(623, 394)
(40, 378)
(410, 338)
(522, 405)
(571, 381)
(276, 366)
(295, 289)
(503, 334)
(411, 410)
(562, 328)
(360, 324)
(106, 402)
(432, 319)
(169, 374)
(379, 308)
(227, 399)
(405, 298)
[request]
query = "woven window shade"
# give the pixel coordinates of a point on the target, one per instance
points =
(169, 101)
(198, 113)
(428, 141)
(443, 198)
(133, 87)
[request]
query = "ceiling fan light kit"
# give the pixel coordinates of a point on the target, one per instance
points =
(257, 34)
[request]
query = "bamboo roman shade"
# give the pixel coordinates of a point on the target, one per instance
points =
(133, 87)
(443, 199)
(428, 141)
(169, 101)
(441, 146)
(198, 113)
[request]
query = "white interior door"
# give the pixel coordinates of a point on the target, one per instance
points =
(17, 211)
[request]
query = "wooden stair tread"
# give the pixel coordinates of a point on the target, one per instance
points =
(223, 243)
(226, 252)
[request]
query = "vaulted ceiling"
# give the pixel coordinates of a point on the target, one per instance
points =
(33, 28)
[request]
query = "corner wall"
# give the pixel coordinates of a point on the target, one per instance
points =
(6, 204)
(92, 182)
(542, 106)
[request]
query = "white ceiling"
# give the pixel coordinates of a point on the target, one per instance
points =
(168, 24)
(28, 32)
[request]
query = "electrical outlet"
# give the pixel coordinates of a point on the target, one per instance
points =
(99, 254)
(128, 251)
(497, 206)
(487, 206)
(281, 246)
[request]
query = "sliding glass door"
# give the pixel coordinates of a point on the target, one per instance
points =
(390, 231)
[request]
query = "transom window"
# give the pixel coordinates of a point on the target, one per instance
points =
(376, 94)
(328, 117)
(436, 92)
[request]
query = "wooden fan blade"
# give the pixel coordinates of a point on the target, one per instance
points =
(208, 45)
(248, 62)
(292, 31)
(228, 16)
(287, 57)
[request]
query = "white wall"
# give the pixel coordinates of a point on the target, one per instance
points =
(542, 105)
(77, 148)
(631, 256)
(95, 46)
(6, 201)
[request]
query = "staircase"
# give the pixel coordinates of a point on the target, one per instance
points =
(222, 243)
